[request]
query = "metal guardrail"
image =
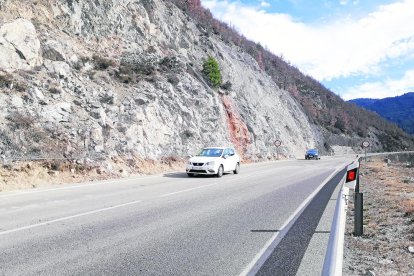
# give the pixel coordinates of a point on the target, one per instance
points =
(334, 255)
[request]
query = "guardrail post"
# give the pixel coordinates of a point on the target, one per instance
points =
(358, 207)
(358, 214)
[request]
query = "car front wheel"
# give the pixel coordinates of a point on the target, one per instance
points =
(220, 171)
(237, 169)
(190, 174)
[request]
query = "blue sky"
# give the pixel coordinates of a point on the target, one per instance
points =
(356, 48)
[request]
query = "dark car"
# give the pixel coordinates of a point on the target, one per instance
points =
(312, 154)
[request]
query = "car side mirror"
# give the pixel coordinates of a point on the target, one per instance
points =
(189, 156)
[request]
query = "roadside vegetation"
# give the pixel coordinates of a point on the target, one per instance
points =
(211, 70)
(387, 246)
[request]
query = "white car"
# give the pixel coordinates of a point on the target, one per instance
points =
(214, 160)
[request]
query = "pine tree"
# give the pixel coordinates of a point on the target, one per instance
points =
(212, 71)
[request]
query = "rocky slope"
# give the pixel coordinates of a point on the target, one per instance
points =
(123, 78)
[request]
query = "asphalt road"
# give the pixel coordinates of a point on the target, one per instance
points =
(163, 225)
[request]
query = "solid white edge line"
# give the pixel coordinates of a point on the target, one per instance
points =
(110, 181)
(103, 182)
(188, 190)
(253, 267)
(85, 185)
(67, 218)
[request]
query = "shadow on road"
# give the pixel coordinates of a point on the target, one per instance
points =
(175, 175)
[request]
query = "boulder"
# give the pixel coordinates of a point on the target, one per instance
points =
(60, 68)
(52, 50)
(57, 113)
(19, 46)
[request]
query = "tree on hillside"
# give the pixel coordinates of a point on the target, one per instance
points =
(321, 105)
(211, 70)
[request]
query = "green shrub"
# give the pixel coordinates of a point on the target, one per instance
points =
(211, 70)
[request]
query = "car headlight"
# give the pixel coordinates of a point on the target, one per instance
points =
(211, 163)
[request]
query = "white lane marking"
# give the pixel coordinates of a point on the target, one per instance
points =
(89, 184)
(253, 267)
(85, 185)
(25, 192)
(68, 217)
(209, 185)
(188, 190)
(118, 206)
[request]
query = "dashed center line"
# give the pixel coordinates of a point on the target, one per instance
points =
(97, 211)
(68, 217)
(112, 207)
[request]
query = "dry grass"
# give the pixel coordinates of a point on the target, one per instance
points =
(26, 175)
(407, 206)
(388, 222)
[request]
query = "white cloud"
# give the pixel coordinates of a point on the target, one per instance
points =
(382, 89)
(336, 49)
(265, 4)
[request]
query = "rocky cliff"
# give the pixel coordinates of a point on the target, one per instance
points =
(124, 78)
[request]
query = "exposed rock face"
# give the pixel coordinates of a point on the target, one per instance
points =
(239, 133)
(19, 46)
(124, 77)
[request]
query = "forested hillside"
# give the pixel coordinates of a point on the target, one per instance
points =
(399, 110)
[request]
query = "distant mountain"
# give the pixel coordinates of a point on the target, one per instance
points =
(399, 110)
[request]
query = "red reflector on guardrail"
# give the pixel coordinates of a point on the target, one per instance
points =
(351, 175)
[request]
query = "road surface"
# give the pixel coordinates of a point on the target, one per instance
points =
(168, 224)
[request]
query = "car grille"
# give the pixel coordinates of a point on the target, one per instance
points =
(198, 164)
(198, 171)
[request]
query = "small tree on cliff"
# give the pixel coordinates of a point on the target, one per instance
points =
(212, 71)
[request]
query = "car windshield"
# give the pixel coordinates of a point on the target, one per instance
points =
(313, 151)
(211, 152)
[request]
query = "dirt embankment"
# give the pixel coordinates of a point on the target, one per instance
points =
(33, 174)
(387, 246)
